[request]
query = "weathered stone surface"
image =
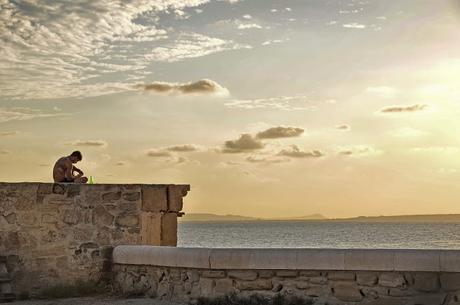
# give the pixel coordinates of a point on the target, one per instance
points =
(263, 274)
(131, 196)
(318, 280)
(428, 282)
(428, 299)
(366, 278)
(154, 198)
(175, 195)
(391, 280)
(213, 273)
(341, 276)
(260, 284)
(309, 273)
(71, 216)
(206, 286)
(286, 273)
(127, 220)
(11, 218)
(318, 291)
(450, 281)
(151, 228)
(169, 229)
(247, 275)
(101, 217)
(59, 189)
(224, 286)
(347, 291)
(111, 196)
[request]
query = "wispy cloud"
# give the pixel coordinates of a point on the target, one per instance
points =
(280, 132)
(24, 113)
(359, 150)
(192, 45)
(287, 103)
(354, 25)
(343, 127)
(8, 133)
(201, 87)
(266, 160)
(295, 152)
(401, 109)
(5, 152)
(88, 143)
(245, 26)
(183, 148)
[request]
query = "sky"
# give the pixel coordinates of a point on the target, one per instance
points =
(267, 108)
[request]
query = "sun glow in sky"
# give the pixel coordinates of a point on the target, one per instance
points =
(266, 107)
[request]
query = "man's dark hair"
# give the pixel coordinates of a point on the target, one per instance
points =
(77, 154)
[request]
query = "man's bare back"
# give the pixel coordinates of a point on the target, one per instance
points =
(64, 169)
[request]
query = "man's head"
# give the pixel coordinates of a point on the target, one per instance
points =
(75, 156)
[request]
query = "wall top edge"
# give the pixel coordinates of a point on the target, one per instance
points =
(96, 184)
(429, 260)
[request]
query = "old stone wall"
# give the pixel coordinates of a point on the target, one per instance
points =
(60, 233)
(321, 287)
(324, 276)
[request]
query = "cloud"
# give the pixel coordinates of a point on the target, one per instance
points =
(383, 91)
(8, 133)
(400, 109)
(5, 152)
(201, 87)
(158, 152)
(183, 148)
(121, 163)
(266, 160)
(245, 26)
(88, 143)
(354, 25)
(359, 151)
(247, 16)
(192, 45)
(436, 150)
(24, 113)
(407, 132)
(280, 132)
(343, 127)
(295, 152)
(286, 103)
(269, 42)
(244, 143)
(44, 57)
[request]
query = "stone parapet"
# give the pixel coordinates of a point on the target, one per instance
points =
(62, 233)
(324, 276)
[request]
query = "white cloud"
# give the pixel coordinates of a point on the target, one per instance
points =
(201, 87)
(269, 42)
(24, 113)
(89, 143)
(247, 16)
(354, 25)
(245, 26)
(295, 152)
(359, 151)
(287, 103)
(192, 45)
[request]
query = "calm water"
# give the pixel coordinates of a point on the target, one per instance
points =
(304, 234)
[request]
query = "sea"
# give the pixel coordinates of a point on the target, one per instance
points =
(319, 234)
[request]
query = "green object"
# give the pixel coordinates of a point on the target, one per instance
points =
(91, 181)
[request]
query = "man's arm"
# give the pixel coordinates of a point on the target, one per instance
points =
(69, 170)
(75, 169)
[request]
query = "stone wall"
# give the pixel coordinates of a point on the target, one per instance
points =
(61, 233)
(396, 277)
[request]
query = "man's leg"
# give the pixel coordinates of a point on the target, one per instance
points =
(81, 180)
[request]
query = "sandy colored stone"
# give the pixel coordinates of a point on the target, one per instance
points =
(391, 280)
(169, 229)
(260, 284)
(341, 276)
(101, 217)
(347, 291)
(427, 282)
(127, 220)
(224, 286)
(366, 278)
(287, 273)
(175, 197)
(154, 198)
(213, 273)
(151, 228)
(450, 281)
(247, 275)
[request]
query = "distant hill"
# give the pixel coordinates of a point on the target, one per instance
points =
(318, 217)
(214, 217)
(405, 218)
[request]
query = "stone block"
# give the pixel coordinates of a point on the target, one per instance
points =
(427, 299)
(392, 280)
(369, 260)
(449, 260)
(401, 292)
(169, 229)
(127, 220)
(450, 281)
(286, 273)
(427, 282)
(341, 276)
(224, 286)
(264, 274)
(366, 278)
(416, 260)
(213, 273)
(318, 291)
(318, 280)
(131, 196)
(151, 229)
(309, 273)
(388, 301)
(71, 216)
(175, 197)
(347, 291)
(101, 217)
(247, 275)
(154, 198)
(111, 196)
(260, 284)
(206, 286)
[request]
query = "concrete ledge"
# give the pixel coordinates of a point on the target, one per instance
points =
(291, 259)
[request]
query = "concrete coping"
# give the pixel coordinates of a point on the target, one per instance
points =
(291, 259)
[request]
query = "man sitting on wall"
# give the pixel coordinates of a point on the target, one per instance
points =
(64, 169)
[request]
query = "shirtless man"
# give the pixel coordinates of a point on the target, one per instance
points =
(64, 169)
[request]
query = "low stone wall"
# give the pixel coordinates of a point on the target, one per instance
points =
(378, 277)
(61, 233)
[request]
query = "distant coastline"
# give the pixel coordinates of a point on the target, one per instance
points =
(208, 217)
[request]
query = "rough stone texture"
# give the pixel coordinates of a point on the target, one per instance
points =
(60, 233)
(322, 287)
